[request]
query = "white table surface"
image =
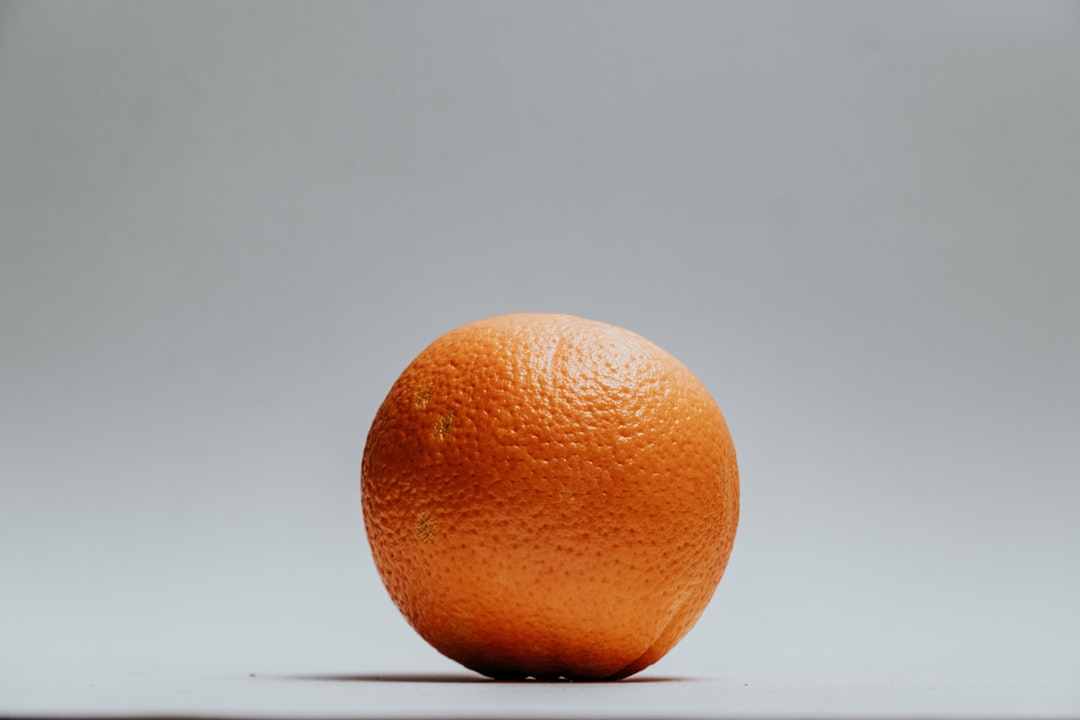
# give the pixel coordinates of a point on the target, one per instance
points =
(142, 692)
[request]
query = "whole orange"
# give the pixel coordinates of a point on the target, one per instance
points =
(547, 496)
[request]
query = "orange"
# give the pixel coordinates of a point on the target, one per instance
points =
(547, 496)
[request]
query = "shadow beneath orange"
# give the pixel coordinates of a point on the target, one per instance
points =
(388, 677)
(463, 678)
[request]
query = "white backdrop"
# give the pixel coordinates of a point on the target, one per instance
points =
(226, 228)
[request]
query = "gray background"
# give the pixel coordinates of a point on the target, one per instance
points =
(226, 228)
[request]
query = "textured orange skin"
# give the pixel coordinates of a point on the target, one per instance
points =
(549, 496)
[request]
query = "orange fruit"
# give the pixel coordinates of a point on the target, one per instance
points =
(547, 496)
